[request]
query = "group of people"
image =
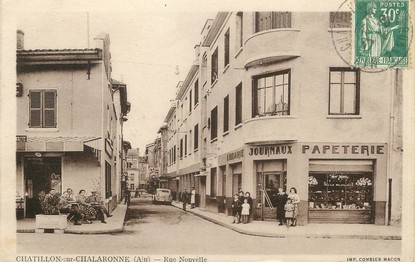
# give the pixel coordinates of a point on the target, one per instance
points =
(185, 198)
(242, 207)
(287, 206)
(82, 207)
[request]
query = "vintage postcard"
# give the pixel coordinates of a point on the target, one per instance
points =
(207, 131)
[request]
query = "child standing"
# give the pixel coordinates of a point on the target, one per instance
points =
(236, 209)
(245, 211)
(289, 212)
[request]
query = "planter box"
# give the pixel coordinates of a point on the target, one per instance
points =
(51, 222)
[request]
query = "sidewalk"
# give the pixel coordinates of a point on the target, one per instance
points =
(114, 224)
(271, 229)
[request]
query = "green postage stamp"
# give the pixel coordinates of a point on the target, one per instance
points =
(381, 33)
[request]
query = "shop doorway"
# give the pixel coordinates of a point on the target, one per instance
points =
(202, 191)
(267, 190)
(237, 184)
(41, 174)
(270, 176)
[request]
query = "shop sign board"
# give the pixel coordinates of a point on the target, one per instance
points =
(338, 149)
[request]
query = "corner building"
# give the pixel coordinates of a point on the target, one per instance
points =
(70, 118)
(278, 106)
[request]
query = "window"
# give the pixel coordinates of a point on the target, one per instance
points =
(196, 138)
(196, 92)
(226, 114)
(181, 148)
(42, 108)
(214, 123)
(272, 94)
(340, 190)
(108, 191)
(185, 145)
(132, 187)
(174, 154)
(344, 91)
(226, 53)
(340, 19)
(213, 182)
(190, 141)
(190, 101)
(131, 177)
(239, 29)
(214, 67)
(238, 104)
(272, 20)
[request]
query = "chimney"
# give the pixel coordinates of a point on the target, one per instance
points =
(197, 54)
(20, 40)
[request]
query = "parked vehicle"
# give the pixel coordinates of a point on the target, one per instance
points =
(162, 195)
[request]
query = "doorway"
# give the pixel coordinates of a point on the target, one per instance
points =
(270, 176)
(202, 191)
(41, 174)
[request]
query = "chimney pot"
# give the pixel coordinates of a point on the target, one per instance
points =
(20, 40)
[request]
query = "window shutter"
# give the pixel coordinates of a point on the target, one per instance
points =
(49, 109)
(35, 108)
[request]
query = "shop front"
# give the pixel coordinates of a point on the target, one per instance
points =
(347, 183)
(336, 182)
(341, 191)
(40, 174)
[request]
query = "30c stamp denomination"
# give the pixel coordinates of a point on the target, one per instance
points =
(381, 33)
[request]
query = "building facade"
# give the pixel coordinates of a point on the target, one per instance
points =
(70, 115)
(270, 102)
(133, 180)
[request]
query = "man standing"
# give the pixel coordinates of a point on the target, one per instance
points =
(281, 200)
(127, 196)
(193, 198)
(185, 198)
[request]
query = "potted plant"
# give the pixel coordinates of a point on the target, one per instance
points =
(51, 218)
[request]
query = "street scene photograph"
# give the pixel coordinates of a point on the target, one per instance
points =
(203, 134)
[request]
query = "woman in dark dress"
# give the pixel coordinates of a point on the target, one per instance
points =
(281, 200)
(250, 202)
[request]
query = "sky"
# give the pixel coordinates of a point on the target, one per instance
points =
(148, 40)
(145, 49)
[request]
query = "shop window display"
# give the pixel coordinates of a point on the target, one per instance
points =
(340, 191)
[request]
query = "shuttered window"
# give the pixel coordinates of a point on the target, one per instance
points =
(214, 123)
(238, 105)
(272, 20)
(340, 19)
(42, 108)
(226, 53)
(196, 138)
(226, 114)
(214, 66)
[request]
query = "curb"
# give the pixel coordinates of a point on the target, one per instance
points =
(79, 231)
(274, 235)
(109, 231)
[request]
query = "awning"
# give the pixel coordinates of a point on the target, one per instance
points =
(201, 174)
(341, 166)
(258, 141)
(56, 144)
